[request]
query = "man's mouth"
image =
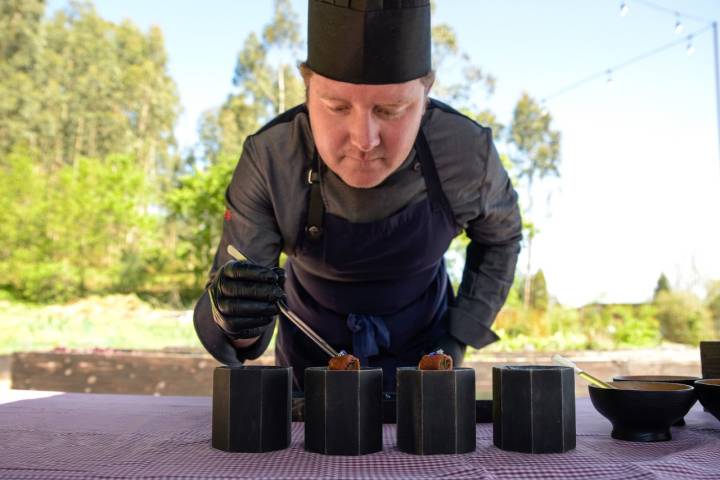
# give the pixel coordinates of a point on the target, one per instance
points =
(363, 159)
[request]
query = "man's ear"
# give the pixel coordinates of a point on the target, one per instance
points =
(428, 87)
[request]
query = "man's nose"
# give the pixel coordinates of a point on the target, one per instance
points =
(364, 132)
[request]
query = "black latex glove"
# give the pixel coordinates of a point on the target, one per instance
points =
(451, 346)
(245, 295)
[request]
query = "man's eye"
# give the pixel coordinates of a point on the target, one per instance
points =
(388, 113)
(339, 109)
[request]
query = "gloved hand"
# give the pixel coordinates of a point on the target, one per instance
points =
(451, 346)
(244, 297)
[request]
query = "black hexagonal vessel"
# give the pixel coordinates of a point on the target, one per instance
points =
(343, 411)
(436, 411)
(534, 408)
(710, 359)
(251, 408)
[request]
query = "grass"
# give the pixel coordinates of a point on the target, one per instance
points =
(114, 321)
(128, 322)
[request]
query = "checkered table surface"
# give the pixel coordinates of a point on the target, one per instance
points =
(66, 435)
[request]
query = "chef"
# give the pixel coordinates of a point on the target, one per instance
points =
(363, 187)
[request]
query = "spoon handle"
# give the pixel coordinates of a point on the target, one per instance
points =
(560, 360)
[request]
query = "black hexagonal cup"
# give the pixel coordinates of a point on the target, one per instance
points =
(534, 408)
(251, 408)
(343, 411)
(435, 411)
(710, 359)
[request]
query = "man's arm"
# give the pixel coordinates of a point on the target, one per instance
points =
(491, 257)
(250, 227)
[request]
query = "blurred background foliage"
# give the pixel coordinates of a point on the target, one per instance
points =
(97, 200)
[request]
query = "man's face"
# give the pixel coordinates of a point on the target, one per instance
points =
(364, 132)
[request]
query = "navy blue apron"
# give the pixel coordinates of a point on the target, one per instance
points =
(378, 289)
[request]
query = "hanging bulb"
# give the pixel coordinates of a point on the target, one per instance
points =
(678, 24)
(624, 9)
(609, 79)
(690, 47)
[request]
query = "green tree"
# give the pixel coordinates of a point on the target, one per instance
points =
(20, 50)
(535, 153)
(86, 116)
(663, 285)
(712, 301)
(197, 207)
(470, 82)
(540, 298)
(77, 86)
(536, 145)
(81, 234)
(266, 82)
(683, 317)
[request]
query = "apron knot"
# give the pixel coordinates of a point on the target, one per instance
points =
(369, 333)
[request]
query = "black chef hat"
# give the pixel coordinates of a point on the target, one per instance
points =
(369, 41)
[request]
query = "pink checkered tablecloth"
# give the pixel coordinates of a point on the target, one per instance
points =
(46, 435)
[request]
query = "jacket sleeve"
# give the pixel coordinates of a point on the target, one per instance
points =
(491, 256)
(250, 226)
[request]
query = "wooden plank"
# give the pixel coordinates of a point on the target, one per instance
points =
(190, 372)
(137, 373)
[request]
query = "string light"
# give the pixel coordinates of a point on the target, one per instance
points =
(678, 24)
(624, 9)
(689, 48)
(677, 13)
(607, 73)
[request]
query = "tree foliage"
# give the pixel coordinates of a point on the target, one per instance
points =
(712, 302)
(683, 317)
(536, 144)
(86, 116)
(86, 88)
(663, 285)
(266, 83)
(75, 230)
(540, 298)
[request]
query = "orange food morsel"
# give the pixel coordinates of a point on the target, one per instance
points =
(344, 362)
(436, 361)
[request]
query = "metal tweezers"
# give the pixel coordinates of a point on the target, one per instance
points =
(304, 327)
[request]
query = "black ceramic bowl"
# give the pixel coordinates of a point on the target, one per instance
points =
(708, 390)
(661, 379)
(643, 411)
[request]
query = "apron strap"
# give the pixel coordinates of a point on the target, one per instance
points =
(432, 179)
(316, 209)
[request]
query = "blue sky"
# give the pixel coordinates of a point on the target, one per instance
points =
(640, 180)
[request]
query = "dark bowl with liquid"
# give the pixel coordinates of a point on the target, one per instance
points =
(643, 411)
(685, 380)
(708, 391)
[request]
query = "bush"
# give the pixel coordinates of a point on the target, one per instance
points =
(45, 282)
(600, 327)
(713, 304)
(637, 327)
(683, 318)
